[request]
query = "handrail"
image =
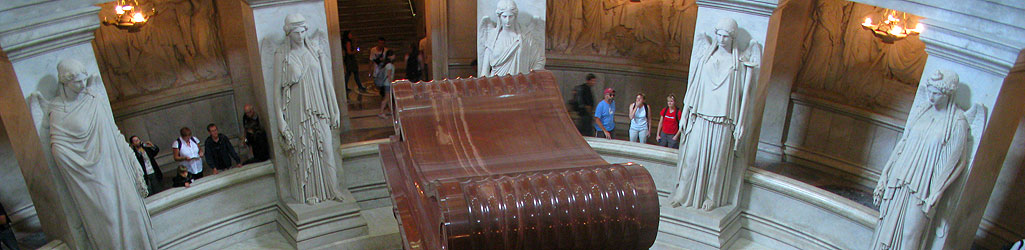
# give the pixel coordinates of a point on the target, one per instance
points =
(411, 9)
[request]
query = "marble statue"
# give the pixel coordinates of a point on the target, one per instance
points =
(930, 155)
(508, 47)
(307, 111)
(713, 117)
(93, 158)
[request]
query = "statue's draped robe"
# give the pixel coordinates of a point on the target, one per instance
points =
(931, 153)
(713, 100)
(308, 106)
(502, 57)
(100, 171)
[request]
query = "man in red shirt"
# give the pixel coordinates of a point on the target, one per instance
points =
(669, 124)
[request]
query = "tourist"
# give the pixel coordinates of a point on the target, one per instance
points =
(6, 234)
(639, 120)
(383, 80)
(255, 136)
(187, 151)
(183, 178)
(414, 63)
(583, 104)
(219, 151)
(669, 124)
(604, 115)
(146, 154)
(349, 60)
(377, 56)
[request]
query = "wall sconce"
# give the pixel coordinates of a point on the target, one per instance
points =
(893, 28)
(129, 15)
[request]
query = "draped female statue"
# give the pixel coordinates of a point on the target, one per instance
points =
(712, 124)
(308, 110)
(930, 155)
(103, 177)
(506, 47)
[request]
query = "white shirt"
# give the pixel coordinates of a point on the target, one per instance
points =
(189, 149)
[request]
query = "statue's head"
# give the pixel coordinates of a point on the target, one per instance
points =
(72, 75)
(506, 12)
(725, 31)
(941, 86)
(295, 26)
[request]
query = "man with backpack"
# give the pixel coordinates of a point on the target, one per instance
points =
(583, 104)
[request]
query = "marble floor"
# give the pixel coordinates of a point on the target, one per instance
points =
(382, 234)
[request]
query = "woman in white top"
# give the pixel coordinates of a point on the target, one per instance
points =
(187, 151)
(639, 120)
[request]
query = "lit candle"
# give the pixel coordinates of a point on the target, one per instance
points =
(919, 27)
(897, 30)
(119, 10)
(868, 21)
(138, 18)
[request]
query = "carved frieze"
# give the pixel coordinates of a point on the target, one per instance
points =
(180, 46)
(651, 31)
(845, 64)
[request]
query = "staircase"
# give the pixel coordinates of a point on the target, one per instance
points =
(370, 19)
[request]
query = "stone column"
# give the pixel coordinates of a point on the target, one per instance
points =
(305, 226)
(757, 21)
(34, 38)
(437, 31)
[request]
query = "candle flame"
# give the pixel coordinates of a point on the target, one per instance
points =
(119, 10)
(919, 28)
(897, 30)
(138, 18)
(868, 21)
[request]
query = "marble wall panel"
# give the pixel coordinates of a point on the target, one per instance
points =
(627, 85)
(846, 64)
(180, 46)
(839, 140)
(162, 127)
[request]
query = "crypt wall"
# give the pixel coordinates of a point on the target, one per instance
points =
(630, 46)
(850, 96)
(174, 73)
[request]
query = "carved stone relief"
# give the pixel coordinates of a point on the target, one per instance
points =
(177, 47)
(651, 31)
(846, 64)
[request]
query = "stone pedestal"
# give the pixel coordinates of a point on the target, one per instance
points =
(694, 229)
(317, 226)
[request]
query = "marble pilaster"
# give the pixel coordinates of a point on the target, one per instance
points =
(34, 36)
(302, 222)
(719, 227)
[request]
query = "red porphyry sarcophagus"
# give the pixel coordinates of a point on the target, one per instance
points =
(496, 163)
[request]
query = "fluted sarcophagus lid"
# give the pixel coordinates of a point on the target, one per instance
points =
(496, 163)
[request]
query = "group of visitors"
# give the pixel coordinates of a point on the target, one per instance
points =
(383, 60)
(217, 150)
(599, 120)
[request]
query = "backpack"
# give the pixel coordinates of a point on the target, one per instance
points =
(666, 109)
(179, 141)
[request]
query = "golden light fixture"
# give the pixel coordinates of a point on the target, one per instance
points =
(129, 15)
(893, 28)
